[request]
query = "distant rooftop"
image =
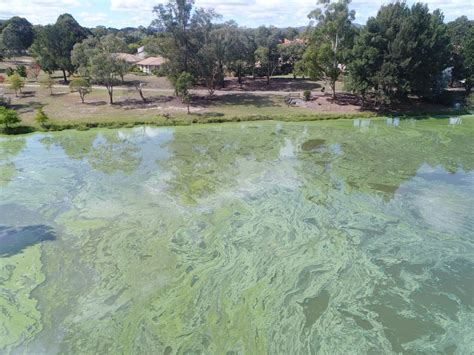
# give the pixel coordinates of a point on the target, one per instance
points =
(156, 61)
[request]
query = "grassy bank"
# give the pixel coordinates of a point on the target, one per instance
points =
(65, 111)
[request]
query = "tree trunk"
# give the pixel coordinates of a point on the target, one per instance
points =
(110, 90)
(222, 76)
(82, 96)
(64, 76)
(333, 88)
(140, 92)
(188, 109)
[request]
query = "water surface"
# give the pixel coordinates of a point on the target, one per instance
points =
(256, 238)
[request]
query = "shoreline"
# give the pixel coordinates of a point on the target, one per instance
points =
(196, 119)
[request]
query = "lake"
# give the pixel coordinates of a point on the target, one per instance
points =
(352, 236)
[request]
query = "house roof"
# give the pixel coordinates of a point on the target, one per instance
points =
(152, 61)
(129, 58)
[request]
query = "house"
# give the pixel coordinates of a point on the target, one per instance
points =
(129, 58)
(150, 64)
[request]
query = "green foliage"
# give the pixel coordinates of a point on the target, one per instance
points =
(21, 71)
(54, 43)
(41, 117)
(468, 55)
(183, 32)
(10, 71)
(16, 83)
(307, 95)
(402, 51)
(81, 86)
(184, 82)
(458, 31)
(96, 58)
(330, 41)
(17, 35)
(8, 117)
(266, 54)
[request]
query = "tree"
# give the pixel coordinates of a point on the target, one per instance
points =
(97, 59)
(8, 117)
(183, 84)
(41, 117)
(291, 53)
(174, 18)
(47, 82)
(103, 70)
(468, 55)
(266, 54)
(17, 35)
(458, 31)
(16, 83)
(54, 43)
(330, 41)
(183, 31)
(139, 87)
(81, 86)
(401, 51)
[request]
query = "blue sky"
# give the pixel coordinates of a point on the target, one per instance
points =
(251, 13)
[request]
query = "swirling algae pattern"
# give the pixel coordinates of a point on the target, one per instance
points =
(348, 237)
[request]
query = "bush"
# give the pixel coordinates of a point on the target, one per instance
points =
(307, 95)
(16, 83)
(8, 117)
(10, 71)
(2, 79)
(81, 86)
(4, 101)
(47, 82)
(21, 71)
(470, 101)
(41, 117)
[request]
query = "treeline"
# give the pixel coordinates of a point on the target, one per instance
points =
(403, 51)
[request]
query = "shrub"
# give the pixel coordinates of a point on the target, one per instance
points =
(8, 117)
(21, 71)
(470, 101)
(16, 83)
(47, 82)
(41, 117)
(4, 101)
(2, 79)
(10, 71)
(307, 95)
(81, 86)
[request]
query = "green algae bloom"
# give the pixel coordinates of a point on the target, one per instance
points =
(350, 237)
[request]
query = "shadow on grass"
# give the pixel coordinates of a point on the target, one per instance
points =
(235, 100)
(29, 106)
(95, 103)
(151, 101)
(276, 84)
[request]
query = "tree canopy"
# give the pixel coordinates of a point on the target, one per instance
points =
(54, 43)
(17, 35)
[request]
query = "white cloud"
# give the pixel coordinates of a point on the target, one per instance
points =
(121, 13)
(37, 11)
(288, 13)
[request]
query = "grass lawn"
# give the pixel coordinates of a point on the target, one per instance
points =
(66, 110)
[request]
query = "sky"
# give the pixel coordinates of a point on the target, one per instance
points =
(250, 13)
